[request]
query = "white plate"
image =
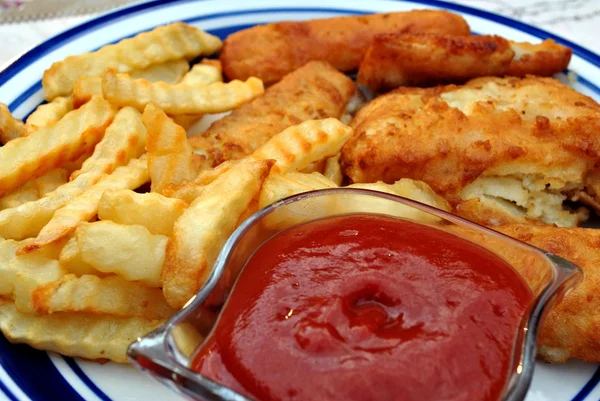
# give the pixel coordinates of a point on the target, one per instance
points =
(29, 374)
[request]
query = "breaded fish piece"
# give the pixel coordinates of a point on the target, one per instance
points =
(572, 328)
(273, 50)
(314, 91)
(395, 59)
(531, 142)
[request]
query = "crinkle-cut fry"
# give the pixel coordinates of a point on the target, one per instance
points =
(131, 252)
(296, 147)
(122, 90)
(124, 138)
(10, 127)
(8, 250)
(170, 72)
(76, 133)
(333, 170)
(154, 211)
(542, 59)
(412, 189)
(202, 75)
(165, 43)
(75, 334)
(169, 153)
(85, 206)
(47, 114)
(109, 295)
(85, 88)
(279, 186)
(75, 165)
(70, 259)
(205, 225)
(35, 189)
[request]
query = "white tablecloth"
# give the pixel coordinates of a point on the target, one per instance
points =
(576, 20)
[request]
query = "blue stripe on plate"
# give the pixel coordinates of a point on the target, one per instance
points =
(22, 362)
(7, 392)
(85, 379)
(34, 372)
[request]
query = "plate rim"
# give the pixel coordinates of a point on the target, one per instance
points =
(13, 67)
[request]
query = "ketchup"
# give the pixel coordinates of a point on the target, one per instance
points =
(366, 307)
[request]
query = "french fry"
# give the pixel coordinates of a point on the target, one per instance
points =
(154, 211)
(8, 250)
(122, 90)
(85, 206)
(165, 43)
(205, 225)
(35, 189)
(70, 259)
(202, 75)
(333, 170)
(85, 88)
(124, 138)
(48, 114)
(169, 153)
(110, 295)
(32, 156)
(80, 335)
(186, 121)
(296, 147)
(279, 186)
(10, 127)
(170, 72)
(131, 252)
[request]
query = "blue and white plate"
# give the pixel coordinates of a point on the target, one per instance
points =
(28, 374)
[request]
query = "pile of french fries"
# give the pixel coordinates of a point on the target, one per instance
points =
(91, 256)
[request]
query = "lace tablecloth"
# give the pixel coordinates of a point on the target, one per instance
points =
(576, 20)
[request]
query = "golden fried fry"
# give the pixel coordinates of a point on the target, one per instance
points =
(81, 335)
(542, 59)
(399, 59)
(170, 72)
(35, 189)
(85, 88)
(279, 186)
(131, 252)
(273, 50)
(122, 90)
(10, 127)
(47, 148)
(155, 212)
(110, 295)
(333, 170)
(70, 259)
(298, 146)
(165, 43)
(169, 153)
(204, 226)
(8, 250)
(48, 114)
(85, 206)
(124, 138)
(202, 75)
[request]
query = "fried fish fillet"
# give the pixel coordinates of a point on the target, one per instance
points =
(529, 143)
(572, 328)
(273, 50)
(314, 91)
(424, 59)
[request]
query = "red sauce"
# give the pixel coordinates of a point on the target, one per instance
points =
(364, 307)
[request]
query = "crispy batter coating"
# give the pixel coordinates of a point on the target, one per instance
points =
(314, 91)
(450, 136)
(427, 59)
(572, 327)
(543, 59)
(271, 51)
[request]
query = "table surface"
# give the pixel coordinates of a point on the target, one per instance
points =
(576, 20)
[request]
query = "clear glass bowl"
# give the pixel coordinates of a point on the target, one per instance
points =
(167, 352)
